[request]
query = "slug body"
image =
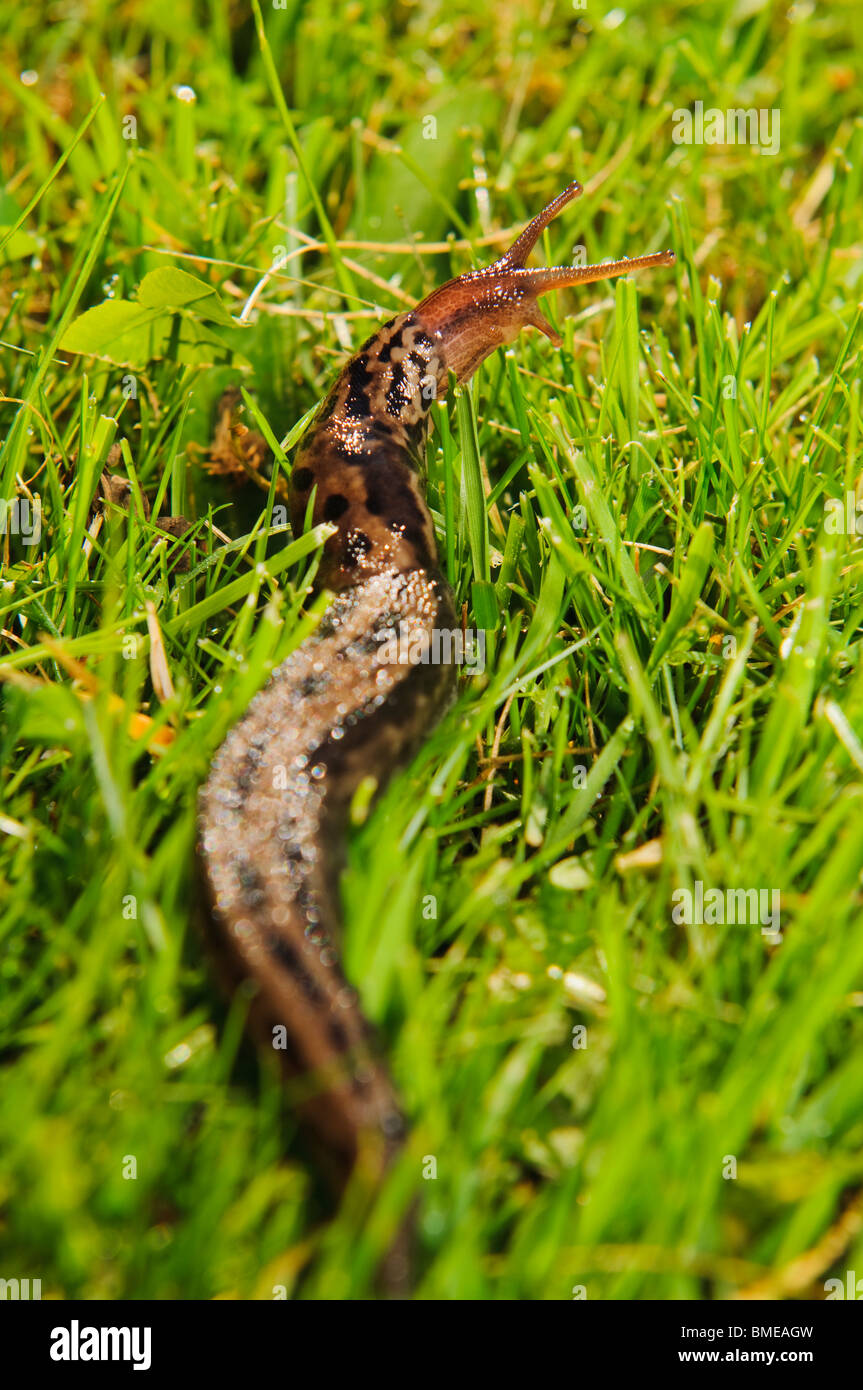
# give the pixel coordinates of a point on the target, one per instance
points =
(273, 811)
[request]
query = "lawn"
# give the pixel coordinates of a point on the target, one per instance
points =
(611, 1096)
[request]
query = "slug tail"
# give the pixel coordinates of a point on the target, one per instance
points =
(341, 708)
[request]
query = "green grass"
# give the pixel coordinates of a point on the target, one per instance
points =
(673, 689)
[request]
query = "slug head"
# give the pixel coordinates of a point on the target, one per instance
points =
(477, 312)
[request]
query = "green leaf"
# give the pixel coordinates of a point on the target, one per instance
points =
(170, 288)
(131, 333)
(120, 331)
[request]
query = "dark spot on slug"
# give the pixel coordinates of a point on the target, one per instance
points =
(246, 771)
(385, 350)
(289, 960)
(358, 544)
(376, 336)
(335, 506)
(313, 685)
(415, 430)
(357, 404)
(396, 395)
(411, 535)
(251, 882)
(395, 498)
(302, 479)
(364, 646)
(376, 501)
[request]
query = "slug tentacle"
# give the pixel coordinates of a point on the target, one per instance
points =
(341, 708)
(524, 243)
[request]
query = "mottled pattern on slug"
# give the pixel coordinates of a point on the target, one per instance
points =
(271, 816)
(273, 809)
(272, 812)
(363, 455)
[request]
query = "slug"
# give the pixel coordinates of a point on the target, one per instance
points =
(274, 808)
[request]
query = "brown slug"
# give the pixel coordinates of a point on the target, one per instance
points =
(274, 808)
